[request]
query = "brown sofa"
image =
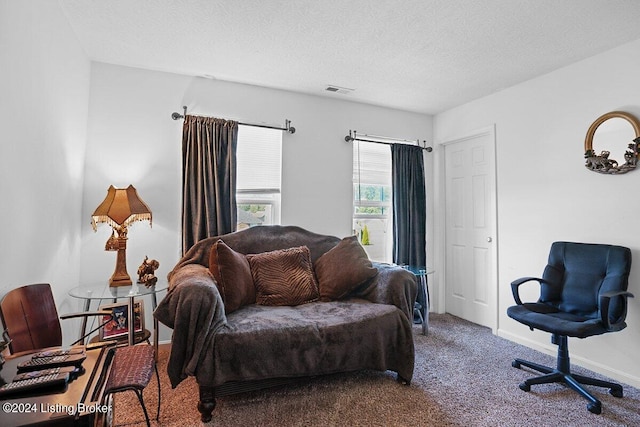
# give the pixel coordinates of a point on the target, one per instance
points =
(239, 332)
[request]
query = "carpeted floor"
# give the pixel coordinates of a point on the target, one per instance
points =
(463, 377)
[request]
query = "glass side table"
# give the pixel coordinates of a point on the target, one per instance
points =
(423, 303)
(102, 291)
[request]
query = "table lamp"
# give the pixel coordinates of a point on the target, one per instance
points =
(120, 208)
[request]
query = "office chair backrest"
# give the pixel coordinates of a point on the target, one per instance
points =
(579, 272)
(30, 317)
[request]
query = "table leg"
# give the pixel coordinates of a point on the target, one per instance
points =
(83, 327)
(131, 321)
(154, 303)
(425, 307)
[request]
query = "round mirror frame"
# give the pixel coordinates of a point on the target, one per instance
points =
(601, 163)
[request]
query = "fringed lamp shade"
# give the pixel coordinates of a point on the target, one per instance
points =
(120, 208)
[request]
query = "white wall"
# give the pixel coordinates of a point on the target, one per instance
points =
(546, 194)
(43, 119)
(133, 140)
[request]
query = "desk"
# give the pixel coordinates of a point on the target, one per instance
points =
(102, 291)
(423, 302)
(60, 407)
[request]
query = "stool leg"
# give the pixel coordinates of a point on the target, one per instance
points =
(144, 408)
(159, 395)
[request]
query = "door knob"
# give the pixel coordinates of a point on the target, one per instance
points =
(489, 239)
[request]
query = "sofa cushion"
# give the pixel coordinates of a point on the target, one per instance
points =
(342, 269)
(284, 277)
(312, 339)
(233, 276)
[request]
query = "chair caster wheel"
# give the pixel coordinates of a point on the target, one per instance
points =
(515, 364)
(524, 387)
(616, 392)
(595, 408)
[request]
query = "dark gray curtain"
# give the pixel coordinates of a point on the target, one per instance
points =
(409, 205)
(208, 178)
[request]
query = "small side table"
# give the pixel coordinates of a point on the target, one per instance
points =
(102, 291)
(422, 307)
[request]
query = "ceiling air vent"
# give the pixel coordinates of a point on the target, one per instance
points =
(338, 89)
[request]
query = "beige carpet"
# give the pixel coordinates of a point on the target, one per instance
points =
(463, 377)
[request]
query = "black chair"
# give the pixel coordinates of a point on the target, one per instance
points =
(583, 292)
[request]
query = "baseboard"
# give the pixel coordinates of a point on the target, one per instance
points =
(552, 350)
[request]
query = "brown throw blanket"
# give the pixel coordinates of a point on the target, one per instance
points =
(313, 339)
(195, 313)
(206, 345)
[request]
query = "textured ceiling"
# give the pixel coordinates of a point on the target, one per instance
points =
(416, 55)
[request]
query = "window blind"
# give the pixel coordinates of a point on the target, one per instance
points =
(371, 164)
(259, 159)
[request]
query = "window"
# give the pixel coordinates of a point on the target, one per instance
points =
(258, 176)
(372, 210)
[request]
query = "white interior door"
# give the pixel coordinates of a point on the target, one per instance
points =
(470, 235)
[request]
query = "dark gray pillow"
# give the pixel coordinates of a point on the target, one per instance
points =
(342, 269)
(233, 276)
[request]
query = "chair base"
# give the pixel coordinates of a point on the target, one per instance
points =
(562, 374)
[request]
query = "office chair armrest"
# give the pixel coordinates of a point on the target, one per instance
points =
(515, 285)
(86, 314)
(605, 301)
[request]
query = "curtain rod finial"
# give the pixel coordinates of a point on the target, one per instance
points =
(288, 127)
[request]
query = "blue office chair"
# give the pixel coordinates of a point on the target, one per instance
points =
(583, 292)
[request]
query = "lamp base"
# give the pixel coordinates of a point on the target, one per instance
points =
(120, 277)
(121, 281)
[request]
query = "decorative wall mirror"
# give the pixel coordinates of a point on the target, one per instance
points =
(612, 132)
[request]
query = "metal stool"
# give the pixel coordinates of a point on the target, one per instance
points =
(131, 369)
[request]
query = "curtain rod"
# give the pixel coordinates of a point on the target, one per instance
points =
(287, 123)
(354, 137)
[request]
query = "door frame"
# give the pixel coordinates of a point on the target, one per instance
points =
(440, 285)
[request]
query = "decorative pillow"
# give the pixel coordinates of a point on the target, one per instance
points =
(284, 277)
(342, 269)
(233, 276)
